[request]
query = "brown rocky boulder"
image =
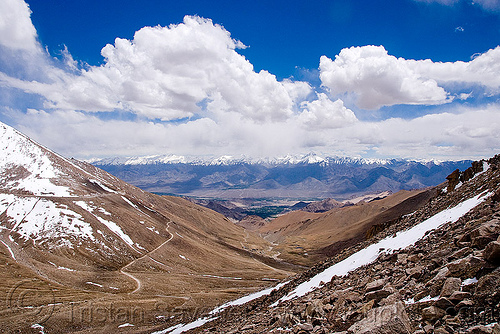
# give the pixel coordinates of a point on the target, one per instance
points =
(375, 285)
(388, 319)
(492, 252)
(467, 174)
(453, 180)
(366, 307)
(495, 198)
(477, 166)
(485, 233)
(433, 313)
(458, 296)
(314, 308)
(444, 304)
(463, 252)
(377, 295)
(466, 267)
(488, 289)
(451, 285)
(480, 329)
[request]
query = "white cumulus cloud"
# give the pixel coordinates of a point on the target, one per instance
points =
(192, 73)
(16, 29)
(484, 70)
(465, 133)
(378, 79)
(470, 134)
(325, 113)
(168, 73)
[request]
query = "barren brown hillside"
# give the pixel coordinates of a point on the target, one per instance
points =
(82, 251)
(306, 238)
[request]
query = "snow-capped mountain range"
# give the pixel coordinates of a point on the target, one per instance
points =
(310, 158)
(298, 177)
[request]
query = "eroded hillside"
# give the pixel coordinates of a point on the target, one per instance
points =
(77, 244)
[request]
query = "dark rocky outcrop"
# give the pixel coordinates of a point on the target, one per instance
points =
(453, 180)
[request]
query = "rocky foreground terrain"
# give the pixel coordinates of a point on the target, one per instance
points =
(447, 282)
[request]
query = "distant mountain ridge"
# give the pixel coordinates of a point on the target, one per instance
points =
(299, 177)
(310, 158)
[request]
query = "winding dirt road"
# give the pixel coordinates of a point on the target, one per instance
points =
(139, 284)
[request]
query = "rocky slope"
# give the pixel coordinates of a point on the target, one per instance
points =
(433, 271)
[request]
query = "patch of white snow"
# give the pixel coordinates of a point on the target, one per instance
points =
(125, 325)
(64, 268)
(401, 240)
(95, 284)
(486, 166)
(104, 187)
(469, 281)
(10, 250)
(428, 299)
(50, 220)
(181, 328)
(130, 202)
(248, 298)
(103, 211)
(112, 226)
(19, 208)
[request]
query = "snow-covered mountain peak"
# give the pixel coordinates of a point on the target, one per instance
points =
(26, 166)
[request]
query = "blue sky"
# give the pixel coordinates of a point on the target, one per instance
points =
(396, 78)
(281, 35)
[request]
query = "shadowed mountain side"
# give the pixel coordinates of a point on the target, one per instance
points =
(306, 238)
(374, 225)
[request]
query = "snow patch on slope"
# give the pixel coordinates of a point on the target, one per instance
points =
(248, 298)
(401, 240)
(112, 226)
(18, 209)
(104, 187)
(9, 249)
(41, 219)
(486, 166)
(5, 201)
(47, 220)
